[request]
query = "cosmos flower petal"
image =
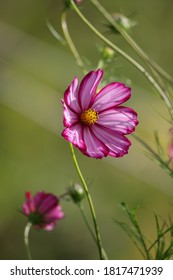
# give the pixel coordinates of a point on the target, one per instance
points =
(25, 208)
(48, 203)
(71, 96)
(74, 134)
(117, 143)
(95, 148)
(88, 88)
(110, 96)
(29, 205)
(38, 198)
(70, 118)
(48, 227)
(120, 119)
(54, 214)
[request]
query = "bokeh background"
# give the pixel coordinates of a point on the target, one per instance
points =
(35, 69)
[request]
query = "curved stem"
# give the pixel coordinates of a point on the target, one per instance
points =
(98, 237)
(131, 41)
(70, 42)
(130, 59)
(26, 240)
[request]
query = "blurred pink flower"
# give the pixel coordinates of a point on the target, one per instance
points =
(78, 1)
(95, 123)
(43, 210)
(170, 149)
(171, 152)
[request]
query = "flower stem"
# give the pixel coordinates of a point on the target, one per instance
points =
(70, 42)
(90, 229)
(86, 221)
(26, 240)
(98, 237)
(130, 59)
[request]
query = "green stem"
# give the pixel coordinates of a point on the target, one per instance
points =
(131, 41)
(90, 230)
(130, 59)
(26, 240)
(98, 237)
(70, 41)
(86, 221)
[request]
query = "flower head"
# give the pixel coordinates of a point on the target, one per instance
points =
(43, 210)
(95, 123)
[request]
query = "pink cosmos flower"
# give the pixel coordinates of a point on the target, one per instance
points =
(43, 210)
(95, 123)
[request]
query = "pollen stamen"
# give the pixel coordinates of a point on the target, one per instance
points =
(89, 117)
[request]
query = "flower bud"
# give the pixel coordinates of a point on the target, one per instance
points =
(76, 192)
(107, 53)
(123, 21)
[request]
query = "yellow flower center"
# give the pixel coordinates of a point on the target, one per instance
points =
(89, 117)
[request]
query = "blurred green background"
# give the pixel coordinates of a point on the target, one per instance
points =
(35, 69)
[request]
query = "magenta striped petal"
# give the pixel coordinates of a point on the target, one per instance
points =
(95, 148)
(117, 143)
(110, 96)
(120, 119)
(88, 88)
(25, 208)
(47, 204)
(70, 118)
(54, 214)
(71, 96)
(29, 205)
(74, 134)
(38, 198)
(48, 227)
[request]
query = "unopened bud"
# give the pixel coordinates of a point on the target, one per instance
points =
(123, 21)
(76, 192)
(107, 53)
